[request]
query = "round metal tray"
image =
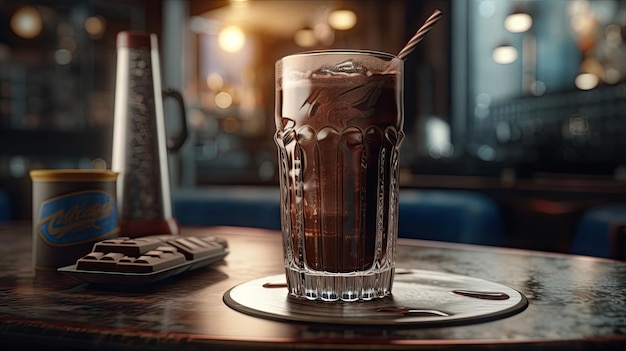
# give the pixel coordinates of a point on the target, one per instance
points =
(419, 297)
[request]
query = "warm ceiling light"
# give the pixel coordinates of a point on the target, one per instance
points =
(223, 100)
(95, 26)
(342, 19)
(518, 22)
(586, 81)
(305, 37)
(504, 54)
(590, 72)
(231, 39)
(27, 22)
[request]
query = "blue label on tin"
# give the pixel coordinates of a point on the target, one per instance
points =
(77, 217)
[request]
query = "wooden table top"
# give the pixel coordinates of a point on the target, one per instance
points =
(575, 302)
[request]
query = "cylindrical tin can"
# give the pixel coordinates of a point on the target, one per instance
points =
(72, 209)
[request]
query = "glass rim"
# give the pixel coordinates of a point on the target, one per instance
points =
(380, 54)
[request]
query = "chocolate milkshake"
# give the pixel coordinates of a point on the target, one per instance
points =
(339, 128)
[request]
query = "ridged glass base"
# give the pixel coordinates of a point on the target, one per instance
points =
(340, 286)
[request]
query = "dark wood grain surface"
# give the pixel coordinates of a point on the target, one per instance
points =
(575, 303)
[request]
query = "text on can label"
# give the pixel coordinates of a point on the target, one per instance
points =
(77, 217)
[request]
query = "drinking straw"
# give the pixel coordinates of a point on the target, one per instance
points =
(419, 35)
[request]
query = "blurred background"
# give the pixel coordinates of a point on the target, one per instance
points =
(523, 101)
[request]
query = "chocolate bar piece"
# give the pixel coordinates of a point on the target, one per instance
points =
(196, 247)
(100, 261)
(152, 261)
(129, 247)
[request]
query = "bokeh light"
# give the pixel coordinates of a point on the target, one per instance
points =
(231, 39)
(26, 22)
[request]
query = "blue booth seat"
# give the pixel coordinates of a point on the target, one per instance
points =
(450, 215)
(600, 233)
(240, 206)
(445, 215)
(5, 207)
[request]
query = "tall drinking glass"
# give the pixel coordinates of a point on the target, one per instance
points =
(339, 117)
